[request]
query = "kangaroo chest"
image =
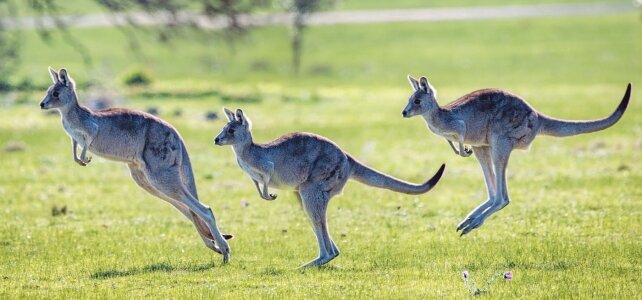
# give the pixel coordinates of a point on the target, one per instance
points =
(248, 169)
(74, 132)
(438, 130)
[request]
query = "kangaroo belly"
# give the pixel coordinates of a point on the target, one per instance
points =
(124, 150)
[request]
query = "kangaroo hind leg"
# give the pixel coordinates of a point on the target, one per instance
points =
(201, 226)
(315, 203)
(167, 181)
(500, 153)
(485, 161)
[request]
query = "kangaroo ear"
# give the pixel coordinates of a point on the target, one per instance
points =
(426, 86)
(239, 115)
(229, 114)
(65, 78)
(413, 83)
(243, 119)
(423, 83)
(54, 75)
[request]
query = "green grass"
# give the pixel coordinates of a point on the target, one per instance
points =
(571, 231)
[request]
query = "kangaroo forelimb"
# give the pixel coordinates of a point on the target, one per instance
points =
(466, 151)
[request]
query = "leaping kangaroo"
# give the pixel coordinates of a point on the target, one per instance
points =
(493, 122)
(313, 166)
(152, 148)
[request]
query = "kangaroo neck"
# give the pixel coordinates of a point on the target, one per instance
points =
(74, 111)
(434, 116)
(241, 149)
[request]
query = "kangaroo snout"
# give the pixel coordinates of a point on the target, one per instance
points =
(404, 114)
(217, 141)
(42, 105)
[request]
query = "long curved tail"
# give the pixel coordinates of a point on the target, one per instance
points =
(556, 127)
(372, 177)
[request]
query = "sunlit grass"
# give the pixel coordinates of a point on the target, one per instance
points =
(572, 229)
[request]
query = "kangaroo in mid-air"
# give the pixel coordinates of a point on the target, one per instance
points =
(152, 148)
(493, 122)
(313, 166)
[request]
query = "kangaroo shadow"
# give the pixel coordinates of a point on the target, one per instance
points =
(152, 268)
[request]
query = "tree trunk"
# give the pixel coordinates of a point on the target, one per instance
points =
(297, 40)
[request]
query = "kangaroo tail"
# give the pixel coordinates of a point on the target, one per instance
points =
(556, 127)
(372, 177)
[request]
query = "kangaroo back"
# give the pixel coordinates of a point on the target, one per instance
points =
(372, 177)
(556, 127)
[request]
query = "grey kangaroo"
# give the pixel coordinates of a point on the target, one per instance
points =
(493, 122)
(152, 148)
(313, 166)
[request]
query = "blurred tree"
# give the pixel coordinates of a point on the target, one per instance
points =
(301, 9)
(9, 44)
(10, 36)
(182, 14)
(176, 15)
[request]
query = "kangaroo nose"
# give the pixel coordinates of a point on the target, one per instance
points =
(216, 141)
(404, 113)
(42, 105)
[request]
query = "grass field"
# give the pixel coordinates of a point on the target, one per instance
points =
(572, 230)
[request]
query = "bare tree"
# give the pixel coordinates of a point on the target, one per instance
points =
(180, 15)
(301, 9)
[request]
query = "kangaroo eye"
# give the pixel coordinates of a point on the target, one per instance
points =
(417, 101)
(230, 131)
(56, 94)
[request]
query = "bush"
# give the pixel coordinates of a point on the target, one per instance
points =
(5, 86)
(137, 77)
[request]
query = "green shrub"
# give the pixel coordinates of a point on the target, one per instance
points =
(137, 77)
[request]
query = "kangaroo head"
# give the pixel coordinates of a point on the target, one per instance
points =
(423, 99)
(236, 131)
(61, 93)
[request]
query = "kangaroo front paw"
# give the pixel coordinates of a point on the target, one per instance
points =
(269, 197)
(467, 152)
(87, 160)
(80, 162)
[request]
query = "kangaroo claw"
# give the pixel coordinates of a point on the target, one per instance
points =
(269, 197)
(467, 152)
(463, 224)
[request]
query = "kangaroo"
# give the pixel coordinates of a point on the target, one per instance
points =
(152, 149)
(493, 122)
(313, 166)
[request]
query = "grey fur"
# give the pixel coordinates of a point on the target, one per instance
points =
(152, 148)
(493, 122)
(315, 167)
